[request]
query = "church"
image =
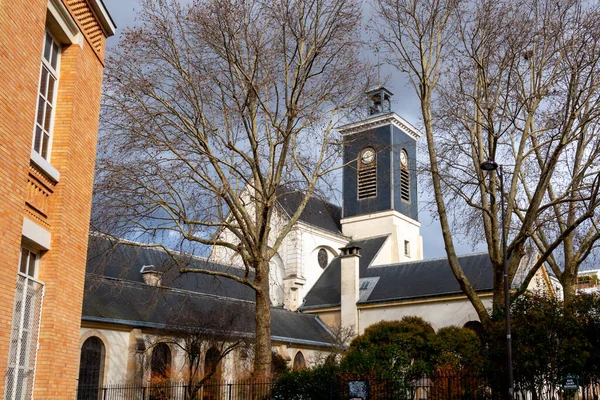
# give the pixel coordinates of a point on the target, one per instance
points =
(362, 263)
(339, 267)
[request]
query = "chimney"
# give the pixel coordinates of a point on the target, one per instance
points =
(350, 257)
(152, 276)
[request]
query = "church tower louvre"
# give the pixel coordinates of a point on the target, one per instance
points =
(380, 194)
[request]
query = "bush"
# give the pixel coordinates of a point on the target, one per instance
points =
(392, 350)
(318, 383)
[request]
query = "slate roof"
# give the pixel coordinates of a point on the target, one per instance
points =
(317, 212)
(115, 293)
(136, 304)
(404, 281)
(125, 262)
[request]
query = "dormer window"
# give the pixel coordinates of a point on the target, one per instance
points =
(404, 177)
(367, 174)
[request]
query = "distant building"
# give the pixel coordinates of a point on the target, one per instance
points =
(587, 281)
(51, 63)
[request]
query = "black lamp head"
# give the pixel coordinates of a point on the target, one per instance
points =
(489, 165)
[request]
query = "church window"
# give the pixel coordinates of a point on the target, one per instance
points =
(367, 174)
(299, 362)
(407, 248)
(212, 363)
(161, 361)
(404, 177)
(91, 365)
(323, 258)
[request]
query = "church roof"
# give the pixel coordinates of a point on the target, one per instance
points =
(115, 293)
(121, 261)
(317, 212)
(397, 282)
(134, 304)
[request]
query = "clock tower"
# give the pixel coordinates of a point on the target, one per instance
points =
(380, 182)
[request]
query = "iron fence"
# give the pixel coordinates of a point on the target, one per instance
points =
(211, 390)
(439, 387)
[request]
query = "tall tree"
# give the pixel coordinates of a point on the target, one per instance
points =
(512, 82)
(209, 109)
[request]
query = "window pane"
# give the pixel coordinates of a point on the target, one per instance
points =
(32, 257)
(24, 255)
(51, 85)
(20, 392)
(40, 113)
(54, 55)
(47, 46)
(43, 81)
(44, 152)
(37, 140)
(48, 118)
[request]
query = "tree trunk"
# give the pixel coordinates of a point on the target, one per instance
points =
(569, 283)
(498, 291)
(462, 280)
(262, 316)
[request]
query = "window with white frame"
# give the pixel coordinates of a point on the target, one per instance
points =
(25, 329)
(46, 103)
(407, 248)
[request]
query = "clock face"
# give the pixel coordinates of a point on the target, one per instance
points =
(367, 156)
(403, 158)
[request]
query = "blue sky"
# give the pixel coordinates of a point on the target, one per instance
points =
(404, 104)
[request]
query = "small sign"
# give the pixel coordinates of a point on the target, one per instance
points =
(358, 390)
(570, 382)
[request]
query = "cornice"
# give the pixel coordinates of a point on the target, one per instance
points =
(380, 120)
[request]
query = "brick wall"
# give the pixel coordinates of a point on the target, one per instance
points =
(63, 208)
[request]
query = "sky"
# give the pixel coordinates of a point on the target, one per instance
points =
(405, 104)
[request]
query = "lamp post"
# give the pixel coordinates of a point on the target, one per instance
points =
(491, 165)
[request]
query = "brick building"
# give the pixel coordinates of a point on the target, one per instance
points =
(51, 63)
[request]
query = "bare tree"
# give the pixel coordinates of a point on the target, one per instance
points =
(213, 106)
(219, 329)
(341, 337)
(508, 81)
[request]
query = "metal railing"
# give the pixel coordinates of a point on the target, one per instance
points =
(210, 390)
(440, 387)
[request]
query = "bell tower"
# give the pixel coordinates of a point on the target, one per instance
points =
(379, 179)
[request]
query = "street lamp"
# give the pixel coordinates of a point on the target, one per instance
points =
(491, 165)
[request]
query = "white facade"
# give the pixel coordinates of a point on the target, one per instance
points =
(294, 269)
(400, 229)
(128, 351)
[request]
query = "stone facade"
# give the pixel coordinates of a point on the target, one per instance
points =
(45, 201)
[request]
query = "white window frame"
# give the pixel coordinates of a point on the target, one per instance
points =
(21, 360)
(55, 73)
(407, 248)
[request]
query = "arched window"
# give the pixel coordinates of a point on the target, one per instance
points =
(212, 361)
(161, 361)
(299, 362)
(91, 369)
(404, 177)
(475, 326)
(323, 258)
(276, 276)
(367, 173)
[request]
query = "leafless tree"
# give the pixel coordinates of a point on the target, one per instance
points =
(515, 82)
(209, 109)
(218, 329)
(341, 337)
